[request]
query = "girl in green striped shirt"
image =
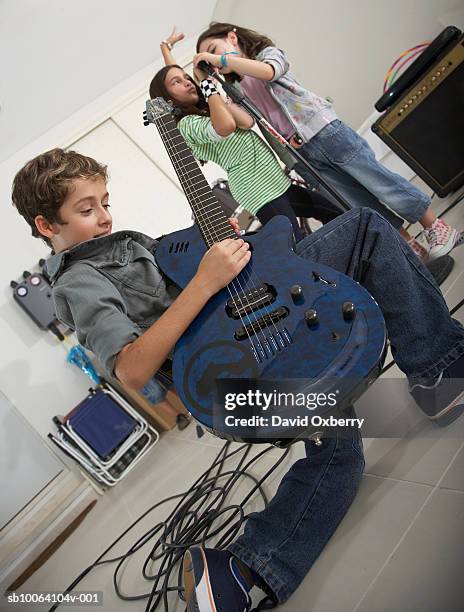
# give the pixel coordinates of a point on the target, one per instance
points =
(220, 132)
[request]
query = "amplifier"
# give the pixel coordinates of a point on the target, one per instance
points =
(425, 127)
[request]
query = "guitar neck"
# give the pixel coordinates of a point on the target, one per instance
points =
(208, 213)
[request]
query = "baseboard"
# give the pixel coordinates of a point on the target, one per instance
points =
(38, 526)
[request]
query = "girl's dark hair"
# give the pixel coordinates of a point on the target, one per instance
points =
(158, 89)
(250, 42)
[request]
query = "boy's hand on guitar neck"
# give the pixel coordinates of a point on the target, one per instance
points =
(221, 264)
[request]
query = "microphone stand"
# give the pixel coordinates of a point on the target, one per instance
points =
(239, 98)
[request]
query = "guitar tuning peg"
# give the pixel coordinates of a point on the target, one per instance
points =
(146, 122)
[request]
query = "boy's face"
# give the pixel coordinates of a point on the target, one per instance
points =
(83, 215)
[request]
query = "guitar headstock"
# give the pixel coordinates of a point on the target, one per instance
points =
(155, 109)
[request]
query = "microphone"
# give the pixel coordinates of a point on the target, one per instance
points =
(205, 67)
(230, 90)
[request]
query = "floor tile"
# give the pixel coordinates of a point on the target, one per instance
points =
(399, 440)
(425, 572)
(363, 542)
(82, 547)
(454, 477)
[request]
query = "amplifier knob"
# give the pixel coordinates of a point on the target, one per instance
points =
(311, 317)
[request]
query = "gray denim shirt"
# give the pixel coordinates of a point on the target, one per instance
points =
(109, 290)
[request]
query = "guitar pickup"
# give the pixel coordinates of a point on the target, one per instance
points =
(245, 331)
(249, 301)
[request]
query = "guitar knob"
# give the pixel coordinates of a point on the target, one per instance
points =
(348, 311)
(296, 291)
(311, 317)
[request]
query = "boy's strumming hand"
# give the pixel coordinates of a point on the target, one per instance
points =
(221, 264)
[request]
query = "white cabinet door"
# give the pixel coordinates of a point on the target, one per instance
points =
(147, 138)
(142, 197)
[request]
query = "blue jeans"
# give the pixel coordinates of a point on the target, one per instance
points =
(154, 391)
(282, 542)
(348, 164)
(281, 206)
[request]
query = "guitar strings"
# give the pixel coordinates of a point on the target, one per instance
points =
(189, 188)
(281, 334)
(190, 192)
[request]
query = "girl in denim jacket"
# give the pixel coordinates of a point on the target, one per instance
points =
(308, 121)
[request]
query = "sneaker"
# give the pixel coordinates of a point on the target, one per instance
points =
(418, 249)
(441, 238)
(213, 581)
(442, 399)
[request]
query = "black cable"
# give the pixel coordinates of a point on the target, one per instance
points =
(457, 307)
(54, 329)
(200, 515)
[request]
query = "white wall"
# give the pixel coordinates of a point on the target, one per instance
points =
(57, 56)
(343, 49)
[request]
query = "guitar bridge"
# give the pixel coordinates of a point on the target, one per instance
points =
(245, 331)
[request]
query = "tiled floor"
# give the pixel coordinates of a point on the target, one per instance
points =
(400, 547)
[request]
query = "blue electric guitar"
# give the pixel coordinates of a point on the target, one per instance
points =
(285, 326)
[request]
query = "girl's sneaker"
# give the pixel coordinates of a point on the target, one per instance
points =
(418, 249)
(441, 238)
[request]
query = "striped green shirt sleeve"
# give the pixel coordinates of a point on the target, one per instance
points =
(255, 176)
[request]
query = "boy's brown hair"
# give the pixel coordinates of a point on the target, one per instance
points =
(41, 186)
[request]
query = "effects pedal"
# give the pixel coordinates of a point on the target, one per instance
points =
(34, 295)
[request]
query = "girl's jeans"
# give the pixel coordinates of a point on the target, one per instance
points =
(282, 542)
(349, 165)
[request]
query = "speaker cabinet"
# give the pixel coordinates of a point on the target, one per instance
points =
(425, 127)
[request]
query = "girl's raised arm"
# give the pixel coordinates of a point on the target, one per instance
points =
(168, 43)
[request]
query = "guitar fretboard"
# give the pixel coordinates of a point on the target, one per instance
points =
(208, 213)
